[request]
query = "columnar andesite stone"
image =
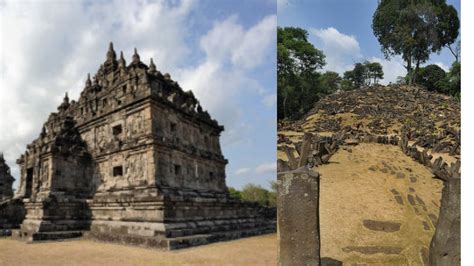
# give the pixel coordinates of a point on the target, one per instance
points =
(445, 248)
(136, 160)
(298, 217)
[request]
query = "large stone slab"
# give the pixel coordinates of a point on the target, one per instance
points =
(445, 248)
(298, 217)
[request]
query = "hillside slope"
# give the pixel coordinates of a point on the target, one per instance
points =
(378, 205)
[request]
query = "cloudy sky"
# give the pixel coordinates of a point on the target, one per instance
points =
(342, 30)
(223, 52)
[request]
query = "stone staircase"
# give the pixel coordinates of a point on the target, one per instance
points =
(46, 236)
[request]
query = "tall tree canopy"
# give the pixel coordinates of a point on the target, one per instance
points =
(363, 74)
(414, 29)
(298, 79)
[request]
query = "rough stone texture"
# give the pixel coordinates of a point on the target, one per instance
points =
(298, 217)
(424, 124)
(445, 248)
(11, 211)
(135, 160)
(6, 180)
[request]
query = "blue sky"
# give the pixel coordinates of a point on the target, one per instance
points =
(224, 52)
(342, 29)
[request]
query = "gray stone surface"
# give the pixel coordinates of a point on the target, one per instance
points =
(298, 217)
(445, 248)
(6, 180)
(135, 160)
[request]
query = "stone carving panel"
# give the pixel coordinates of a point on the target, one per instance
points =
(136, 171)
(102, 136)
(89, 138)
(135, 125)
(44, 176)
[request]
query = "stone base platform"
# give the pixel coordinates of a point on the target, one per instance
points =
(45, 236)
(178, 242)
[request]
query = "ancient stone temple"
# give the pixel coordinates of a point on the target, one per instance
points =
(6, 180)
(12, 212)
(135, 160)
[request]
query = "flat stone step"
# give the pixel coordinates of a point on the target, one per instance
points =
(46, 236)
(42, 236)
(202, 239)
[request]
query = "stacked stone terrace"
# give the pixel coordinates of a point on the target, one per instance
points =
(425, 125)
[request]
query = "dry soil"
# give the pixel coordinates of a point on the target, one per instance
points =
(260, 250)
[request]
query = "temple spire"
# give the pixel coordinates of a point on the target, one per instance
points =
(136, 57)
(66, 98)
(88, 81)
(152, 66)
(111, 56)
(122, 62)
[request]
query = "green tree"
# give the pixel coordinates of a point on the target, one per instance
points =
(255, 193)
(454, 79)
(330, 82)
(414, 29)
(356, 76)
(430, 77)
(234, 193)
(272, 194)
(375, 71)
(297, 64)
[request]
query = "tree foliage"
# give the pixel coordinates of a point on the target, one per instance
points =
(363, 74)
(298, 79)
(414, 29)
(434, 78)
(256, 193)
(330, 82)
(430, 77)
(234, 193)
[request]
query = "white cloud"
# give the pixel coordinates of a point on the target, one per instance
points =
(232, 52)
(341, 50)
(442, 65)
(242, 171)
(270, 100)
(266, 168)
(255, 43)
(48, 49)
(392, 68)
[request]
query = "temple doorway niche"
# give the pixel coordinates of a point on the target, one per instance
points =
(377, 206)
(29, 182)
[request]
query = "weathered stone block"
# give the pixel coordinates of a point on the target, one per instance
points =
(445, 248)
(298, 217)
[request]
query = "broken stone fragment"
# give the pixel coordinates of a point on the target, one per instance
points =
(351, 142)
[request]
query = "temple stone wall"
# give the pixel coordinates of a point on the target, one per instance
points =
(135, 160)
(6, 180)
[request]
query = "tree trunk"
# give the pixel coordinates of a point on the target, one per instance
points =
(409, 67)
(456, 56)
(416, 71)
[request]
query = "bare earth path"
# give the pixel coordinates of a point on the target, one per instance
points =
(378, 206)
(260, 250)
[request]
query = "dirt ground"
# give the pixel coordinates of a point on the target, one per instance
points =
(377, 206)
(259, 250)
